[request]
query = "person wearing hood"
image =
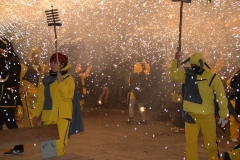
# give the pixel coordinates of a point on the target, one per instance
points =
(10, 69)
(82, 71)
(198, 102)
(231, 94)
(138, 85)
(234, 83)
(54, 102)
(30, 79)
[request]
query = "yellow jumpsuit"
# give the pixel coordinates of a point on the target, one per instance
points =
(203, 114)
(61, 112)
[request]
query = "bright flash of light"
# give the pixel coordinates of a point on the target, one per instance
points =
(142, 109)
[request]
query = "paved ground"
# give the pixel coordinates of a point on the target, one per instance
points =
(108, 137)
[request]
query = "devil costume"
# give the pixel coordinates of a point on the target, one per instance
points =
(198, 101)
(30, 79)
(137, 94)
(10, 69)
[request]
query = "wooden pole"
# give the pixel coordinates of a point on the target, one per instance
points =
(180, 31)
(180, 28)
(53, 20)
(55, 31)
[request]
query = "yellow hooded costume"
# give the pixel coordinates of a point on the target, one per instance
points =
(137, 69)
(202, 113)
(59, 109)
(31, 74)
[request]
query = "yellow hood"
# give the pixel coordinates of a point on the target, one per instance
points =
(30, 54)
(137, 67)
(198, 59)
(195, 57)
(66, 67)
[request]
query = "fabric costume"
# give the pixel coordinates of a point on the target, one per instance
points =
(9, 85)
(200, 106)
(137, 69)
(30, 78)
(80, 78)
(234, 125)
(58, 103)
(233, 154)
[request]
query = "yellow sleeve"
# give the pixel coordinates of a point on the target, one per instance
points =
(147, 70)
(86, 74)
(221, 97)
(40, 101)
(66, 88)
(176, 73)
(23, 72)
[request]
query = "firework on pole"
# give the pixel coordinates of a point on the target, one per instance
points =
(180, 23)
(53, 20)
(179, 48)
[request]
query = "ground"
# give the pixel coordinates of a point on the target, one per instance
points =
(107, 136)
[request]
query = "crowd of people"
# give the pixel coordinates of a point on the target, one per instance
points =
(36, 98)
(55, 94)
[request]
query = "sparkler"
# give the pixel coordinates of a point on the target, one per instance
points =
(53, 20)
(209, 28)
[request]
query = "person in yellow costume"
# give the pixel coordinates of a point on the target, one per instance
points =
(233, 154)
(234, 83)
(82, 74)
(31, 75)
(54, 102)
(137, 93)
(198, 102)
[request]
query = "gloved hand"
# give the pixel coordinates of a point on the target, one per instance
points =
(178, 56)
(223, 121)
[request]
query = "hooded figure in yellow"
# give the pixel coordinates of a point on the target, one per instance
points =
(138, 90)
(198, 102)
(234, 125)
(82, 74)
(54, 102)
(31, 75)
